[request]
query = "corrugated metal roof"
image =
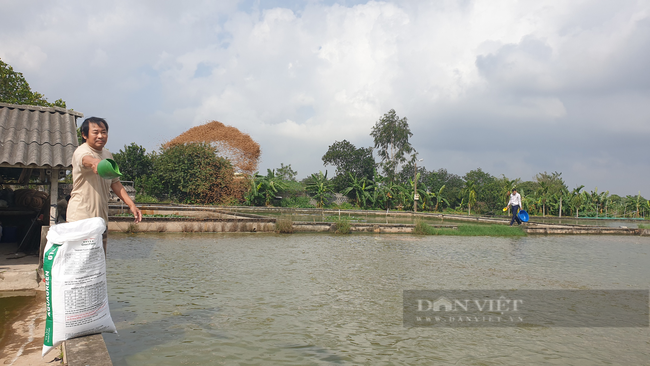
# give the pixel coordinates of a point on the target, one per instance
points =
(40, 136)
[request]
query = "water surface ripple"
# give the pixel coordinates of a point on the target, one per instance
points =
(306, 299)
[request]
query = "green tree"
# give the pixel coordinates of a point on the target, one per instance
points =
(193, 173)
(487, 189)
(391, 135)
(134, 162)
(349, 161)
(549, 190)
(408, 172)
(453, 184)
(14, 89)
(286, 173)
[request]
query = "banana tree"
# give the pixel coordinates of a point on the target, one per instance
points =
(530, 202)
(401, 194)
(577, 199)
(376, 199)
(253, 196)
(440, 198)
(469, 191)
(542, 194)
(421, 191)
(359, 188)
(319, 187)
(269, 185)
(634, 203)
(604, 201)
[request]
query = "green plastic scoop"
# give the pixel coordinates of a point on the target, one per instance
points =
(108, 169)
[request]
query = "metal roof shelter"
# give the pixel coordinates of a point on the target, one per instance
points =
(40, 137)
(37, 142)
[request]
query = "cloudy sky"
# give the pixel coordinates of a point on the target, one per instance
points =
(512, 87)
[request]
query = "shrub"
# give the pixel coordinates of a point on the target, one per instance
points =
(193, 173)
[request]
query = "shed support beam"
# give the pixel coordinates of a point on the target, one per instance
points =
(54, 195)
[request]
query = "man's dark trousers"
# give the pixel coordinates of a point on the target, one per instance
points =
(515, 210)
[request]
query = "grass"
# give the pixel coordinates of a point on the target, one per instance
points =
(284, 225)
(644, 226)
(296, 202)
(131, 229)
(470, 230)
(143, 198)
(152, 215)
(335, 218)
(421, 228)
(342, 226)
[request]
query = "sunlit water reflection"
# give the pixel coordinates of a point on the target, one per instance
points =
(248, 299)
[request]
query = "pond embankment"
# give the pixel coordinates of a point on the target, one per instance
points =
(187, 218)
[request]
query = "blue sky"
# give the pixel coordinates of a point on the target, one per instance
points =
(513, 87)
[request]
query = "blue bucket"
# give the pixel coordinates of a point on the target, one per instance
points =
(523, 215)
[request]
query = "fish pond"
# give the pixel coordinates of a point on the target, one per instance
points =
(325, 299)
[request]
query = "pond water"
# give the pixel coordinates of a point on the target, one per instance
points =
(321, 299)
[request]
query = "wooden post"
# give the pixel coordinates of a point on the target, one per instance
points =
(54, 195)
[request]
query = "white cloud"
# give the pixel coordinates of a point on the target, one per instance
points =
(471, 76)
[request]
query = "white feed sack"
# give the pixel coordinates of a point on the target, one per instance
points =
(76, 299)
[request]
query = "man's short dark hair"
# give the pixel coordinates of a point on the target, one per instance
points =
(85, 126)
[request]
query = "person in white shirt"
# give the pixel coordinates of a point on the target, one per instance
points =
(515, 203)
